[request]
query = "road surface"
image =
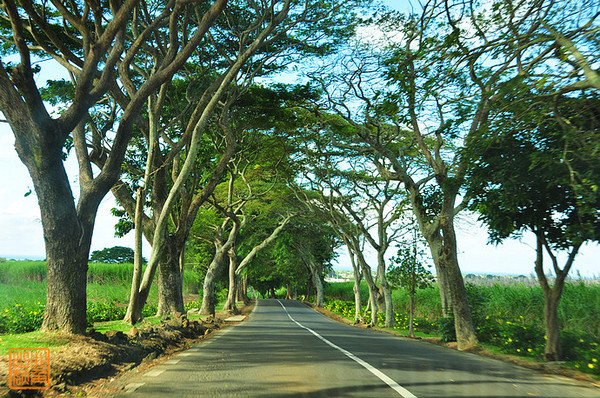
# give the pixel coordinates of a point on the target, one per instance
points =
(286, 349)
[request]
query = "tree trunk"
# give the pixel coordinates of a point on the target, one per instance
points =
(137, 262)
(208, 292)
(230, 304)
(319, 296)
(386, 290)
(66, 279)
(435, 247)
(373, 291)
(170, 295)
(242, 291)
(552, 295)
(356, 289)
(552, 351)
(465, 331)
(389, 307)
(411, 319)
(67, 237)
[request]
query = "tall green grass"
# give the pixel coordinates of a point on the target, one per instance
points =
(17, 272)
(23, 286)
(579, 307)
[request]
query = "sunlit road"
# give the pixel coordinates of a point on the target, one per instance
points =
(288, 350)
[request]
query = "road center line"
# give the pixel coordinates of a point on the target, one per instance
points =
(383, 377)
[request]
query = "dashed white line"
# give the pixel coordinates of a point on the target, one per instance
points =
(155, 372)
(129, 388)
(383, 377)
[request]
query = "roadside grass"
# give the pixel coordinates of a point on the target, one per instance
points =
(23, 293)
(31, 340)
(52, 340)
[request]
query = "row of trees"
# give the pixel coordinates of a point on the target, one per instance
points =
(490, 107)
(150, 94)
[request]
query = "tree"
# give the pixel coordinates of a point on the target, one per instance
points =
(339, 187)
(90, 42)
(307, 243)
(250, 40)
(115, 254)
(409, 272)
(532, 173)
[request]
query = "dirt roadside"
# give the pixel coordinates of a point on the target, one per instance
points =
(545, 367)
(88, 363)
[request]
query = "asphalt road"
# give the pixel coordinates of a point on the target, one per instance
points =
(285, 349)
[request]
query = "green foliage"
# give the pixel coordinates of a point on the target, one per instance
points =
(114, 255)
(445, 327)
(581, 350)
(343, 291)
(22, 318)
(529, 172)
(14, 272)
(407, 271)
(102, 311)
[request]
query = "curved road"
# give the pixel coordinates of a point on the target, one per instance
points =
(286, 349)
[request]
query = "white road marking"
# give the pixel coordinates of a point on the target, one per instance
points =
(172, 361)
(155, 372)
(129, 388)
(185, 354)
(383, 377)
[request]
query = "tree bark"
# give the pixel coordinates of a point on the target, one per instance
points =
(358, 318)
(465, 331)
(230, 304)
(170, 294)
(552, 294)
(373, 291)
(319, 296)
(242, 291)
(137, 262)
(386, 290)
(67, 231)
(435, 246)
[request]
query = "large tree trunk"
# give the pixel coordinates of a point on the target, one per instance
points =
(441, 238)
(434, 242)
(67, 236)
(66, 278)
(170, 295)
(465, 331)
